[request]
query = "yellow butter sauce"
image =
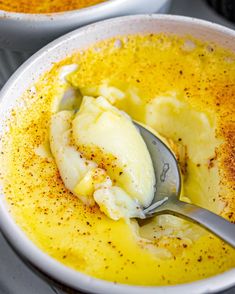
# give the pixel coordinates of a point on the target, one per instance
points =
(199, 75)
(45, 6)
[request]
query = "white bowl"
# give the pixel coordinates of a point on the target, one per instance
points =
(31, 71)
(29, 32)
(22, 34)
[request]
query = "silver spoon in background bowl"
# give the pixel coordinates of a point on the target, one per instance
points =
(168, 188)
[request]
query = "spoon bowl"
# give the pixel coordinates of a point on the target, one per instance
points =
(168, 189)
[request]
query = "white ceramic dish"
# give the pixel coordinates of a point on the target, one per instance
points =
(29, 73)
(22, 34)
(29, 32)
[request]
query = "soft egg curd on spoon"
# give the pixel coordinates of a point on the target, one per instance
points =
(102, 158)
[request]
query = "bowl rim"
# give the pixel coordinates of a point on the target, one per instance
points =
(63, 15)
(13, 233)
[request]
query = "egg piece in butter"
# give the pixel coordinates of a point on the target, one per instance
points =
(102, 158)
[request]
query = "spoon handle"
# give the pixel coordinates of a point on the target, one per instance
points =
(209, 220)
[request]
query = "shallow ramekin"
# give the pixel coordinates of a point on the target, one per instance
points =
(30, 71)
(22, 34)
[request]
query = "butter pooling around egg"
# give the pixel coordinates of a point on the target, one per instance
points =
(102, 158)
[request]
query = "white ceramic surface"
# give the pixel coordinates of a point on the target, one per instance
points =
(30, 72)
(20, 32)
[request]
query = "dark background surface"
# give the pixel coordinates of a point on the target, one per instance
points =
(15, 277)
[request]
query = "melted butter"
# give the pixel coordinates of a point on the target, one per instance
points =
(83, 238)
(45, 6)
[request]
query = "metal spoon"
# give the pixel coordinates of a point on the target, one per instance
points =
(168, 183)
(168, 188)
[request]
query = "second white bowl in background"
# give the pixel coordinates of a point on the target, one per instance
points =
(22, 34)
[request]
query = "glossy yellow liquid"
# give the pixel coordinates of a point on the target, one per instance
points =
(45, 6)
(202, 78)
